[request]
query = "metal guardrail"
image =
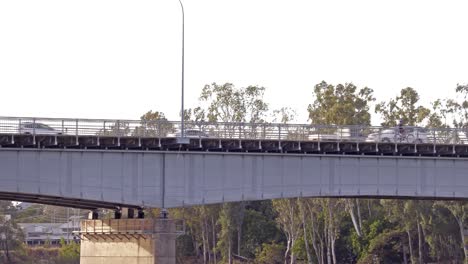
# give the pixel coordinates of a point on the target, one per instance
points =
(241, 131)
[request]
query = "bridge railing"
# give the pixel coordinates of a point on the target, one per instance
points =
(241, 131)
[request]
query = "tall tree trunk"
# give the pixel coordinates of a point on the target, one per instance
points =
(462, 231)
(331, 208)
(329, 260)
(203, 231)
(293, 256)
(350, 207)
(7, 249)
(420, 243)
(288, 247)
(315, 234)
(369, 208)
(304, 229)
(359, 214)
(333, 250)
(314, 238)
(214, 238)
(410, 244)
(322, 252)
(240, 222)
(328, 239)
(424, 243)
(207, 235)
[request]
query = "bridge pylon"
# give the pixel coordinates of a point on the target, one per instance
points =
(129, 241)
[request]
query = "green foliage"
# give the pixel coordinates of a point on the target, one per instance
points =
(340, 104)
(258, 228)
(153, 124)
(33, 214)
(184, 245)
(404, 107)
(226, 221)
(299, 248)
(270, 254)
(462, 90)
(69, 253)
(386, 246)
(226, 103)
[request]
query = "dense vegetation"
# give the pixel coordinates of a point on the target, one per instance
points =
(311, 230)
(328, 230)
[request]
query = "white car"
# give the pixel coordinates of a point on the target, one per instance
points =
(393, 135)
(37, 129)
(190, 133)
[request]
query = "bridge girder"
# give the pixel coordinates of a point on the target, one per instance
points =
(134, 178)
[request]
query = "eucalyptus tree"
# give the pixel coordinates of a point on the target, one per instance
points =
(459, 210)
(343, 104)
(153, 123)
(231, 105)
(405, 107)
(289, 221)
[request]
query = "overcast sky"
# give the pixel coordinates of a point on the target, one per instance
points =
(119, 59)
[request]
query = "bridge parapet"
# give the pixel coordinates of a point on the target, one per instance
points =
(104, 128)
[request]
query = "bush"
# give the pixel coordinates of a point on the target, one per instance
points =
(270, 254)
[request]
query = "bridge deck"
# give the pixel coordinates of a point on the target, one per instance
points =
(233, 145)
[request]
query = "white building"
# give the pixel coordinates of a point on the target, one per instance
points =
(50, 233)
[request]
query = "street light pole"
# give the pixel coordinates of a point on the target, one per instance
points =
(182, 132)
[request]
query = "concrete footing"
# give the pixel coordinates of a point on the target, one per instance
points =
(129, 241)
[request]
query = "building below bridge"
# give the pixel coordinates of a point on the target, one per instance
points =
(50, 233)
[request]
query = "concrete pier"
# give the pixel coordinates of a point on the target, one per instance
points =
(129, 241)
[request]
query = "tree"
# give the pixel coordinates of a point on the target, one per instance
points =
(458, 210)
(403, 107)
(153, 124)
(234, 107)
(289, 221)
(343, 104)
(259, 227)
(270, 254)
(462, 90)
(227, 232)
(116, 128)
(284, 115)
(11, 236)
(69, 253)
(226, 103)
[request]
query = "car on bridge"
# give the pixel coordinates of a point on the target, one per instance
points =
(340, 134)
(37, 129)
(190, 133)
(409, 134)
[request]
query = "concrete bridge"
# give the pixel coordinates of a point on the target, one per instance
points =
(137, 164)
(98, 178)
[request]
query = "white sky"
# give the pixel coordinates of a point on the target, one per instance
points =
(119, 59)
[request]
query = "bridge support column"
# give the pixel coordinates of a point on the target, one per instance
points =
(129, 241)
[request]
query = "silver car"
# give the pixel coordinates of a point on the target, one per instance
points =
(37, 129)
(396, 135)
(190, 133)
